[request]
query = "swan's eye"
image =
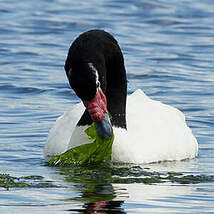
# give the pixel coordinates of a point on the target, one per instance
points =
(98, 84)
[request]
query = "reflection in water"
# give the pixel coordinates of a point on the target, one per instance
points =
(101, 207)
(96, 192)
(105, 188)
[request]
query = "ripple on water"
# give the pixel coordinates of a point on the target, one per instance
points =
(168, 50)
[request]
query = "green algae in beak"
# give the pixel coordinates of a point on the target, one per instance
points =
(93, 153)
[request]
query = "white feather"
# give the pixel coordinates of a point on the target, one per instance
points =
(155, 132)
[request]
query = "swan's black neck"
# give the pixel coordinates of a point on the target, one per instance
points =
(102, 50)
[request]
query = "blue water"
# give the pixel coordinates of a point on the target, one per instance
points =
(169, 50)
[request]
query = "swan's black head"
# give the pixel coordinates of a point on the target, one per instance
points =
(83, 79)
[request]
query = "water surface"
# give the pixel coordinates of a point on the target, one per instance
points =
(168, 49)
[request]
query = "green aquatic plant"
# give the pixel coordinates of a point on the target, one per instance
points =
(93, 153)
(93, 178)
(107, 174)
(33, 181)
(191, 179)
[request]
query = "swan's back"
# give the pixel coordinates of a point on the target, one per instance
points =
(156, 132)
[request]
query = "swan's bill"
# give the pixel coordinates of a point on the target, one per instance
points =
(104, 127)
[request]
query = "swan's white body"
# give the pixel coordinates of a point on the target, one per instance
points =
(155, 132)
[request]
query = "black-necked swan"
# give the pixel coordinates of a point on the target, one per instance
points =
(145, 130)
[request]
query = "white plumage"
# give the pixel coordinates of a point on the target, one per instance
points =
(155, 132)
